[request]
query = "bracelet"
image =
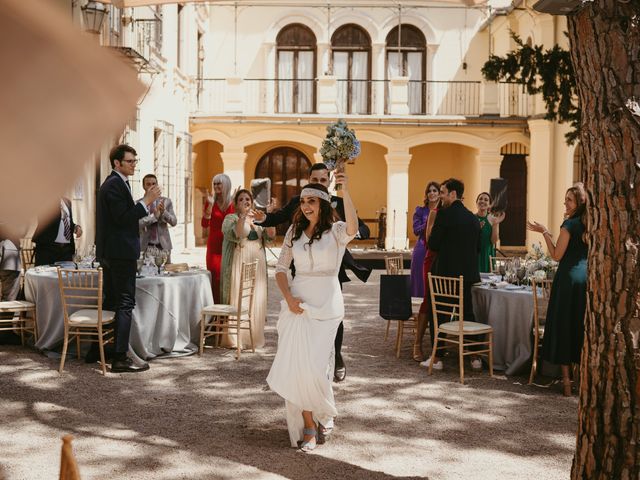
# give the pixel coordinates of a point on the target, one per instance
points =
(546, 232)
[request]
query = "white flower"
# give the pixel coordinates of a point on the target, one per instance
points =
(540, 274)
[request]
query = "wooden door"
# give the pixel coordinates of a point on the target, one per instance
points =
(288, 169)
(513, 229)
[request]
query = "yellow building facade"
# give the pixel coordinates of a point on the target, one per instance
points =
(407, 81)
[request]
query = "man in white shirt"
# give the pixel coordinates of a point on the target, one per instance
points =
(54, 240)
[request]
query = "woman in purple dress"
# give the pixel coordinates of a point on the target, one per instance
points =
(431, 196)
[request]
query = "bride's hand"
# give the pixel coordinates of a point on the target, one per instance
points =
(340, 178)
(294, 305)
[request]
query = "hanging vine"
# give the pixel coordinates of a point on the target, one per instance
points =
(548, 72)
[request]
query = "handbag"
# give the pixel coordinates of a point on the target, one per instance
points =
(395, 297)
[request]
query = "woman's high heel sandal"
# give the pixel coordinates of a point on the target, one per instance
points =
(309, 445)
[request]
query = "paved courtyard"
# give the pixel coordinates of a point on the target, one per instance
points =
(211, 417)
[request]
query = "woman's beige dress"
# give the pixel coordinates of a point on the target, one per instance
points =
(235, 251)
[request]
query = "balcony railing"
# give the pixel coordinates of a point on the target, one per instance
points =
(147, 37)
(357, 97)
(514, 100)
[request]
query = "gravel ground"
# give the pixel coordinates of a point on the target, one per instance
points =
(211, 417)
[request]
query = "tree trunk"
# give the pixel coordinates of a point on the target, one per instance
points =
(605, 49)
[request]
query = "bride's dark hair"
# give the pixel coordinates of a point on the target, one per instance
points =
(326, 216)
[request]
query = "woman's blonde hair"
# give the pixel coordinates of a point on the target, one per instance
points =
(226, 189)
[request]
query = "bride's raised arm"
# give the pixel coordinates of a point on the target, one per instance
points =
(351, 217)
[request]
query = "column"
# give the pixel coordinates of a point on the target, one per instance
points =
(562, 173)
(399, 93)
(233, 159)
(489, 162)
(378, 90)
(397, 199)
(539, 184)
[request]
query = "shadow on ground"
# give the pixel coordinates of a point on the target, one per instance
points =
(211, 417)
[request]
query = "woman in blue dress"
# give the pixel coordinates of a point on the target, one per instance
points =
(564, 328)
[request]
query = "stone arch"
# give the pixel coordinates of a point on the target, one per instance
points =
(204, 134)
(447, 136)
(437, 160)
(362, 20)
(277, 135)
(297, 16)
(418, 22)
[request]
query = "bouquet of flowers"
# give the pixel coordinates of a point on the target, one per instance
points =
(340, 146)
(539, 264)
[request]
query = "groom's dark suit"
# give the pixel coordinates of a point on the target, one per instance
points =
(117, 249)
(456, 239)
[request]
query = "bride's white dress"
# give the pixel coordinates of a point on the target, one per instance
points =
(300, 371)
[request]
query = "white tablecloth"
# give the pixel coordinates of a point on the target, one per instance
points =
(165, 320)
(510, 313)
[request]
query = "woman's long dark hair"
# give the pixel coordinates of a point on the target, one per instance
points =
(327, 216)
(432, 183)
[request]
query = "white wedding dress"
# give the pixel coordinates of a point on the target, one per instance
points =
(303, 367)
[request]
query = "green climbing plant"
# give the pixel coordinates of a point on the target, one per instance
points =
(548, 72)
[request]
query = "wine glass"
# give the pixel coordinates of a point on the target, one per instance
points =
(91, 256)
(77, 257)
(502, 270)
(160, 260)
(521, 273)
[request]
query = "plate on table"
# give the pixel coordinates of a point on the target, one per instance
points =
(514, 287)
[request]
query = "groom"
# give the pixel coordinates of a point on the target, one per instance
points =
(319, 174)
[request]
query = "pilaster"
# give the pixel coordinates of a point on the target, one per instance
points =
(397, 199)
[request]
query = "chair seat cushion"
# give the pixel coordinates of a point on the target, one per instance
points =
(16, 306)
(90, 317)
(468, 328)
(222, 309)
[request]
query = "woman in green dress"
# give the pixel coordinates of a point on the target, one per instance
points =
(564, 327)
(244, 242)
(489, 231)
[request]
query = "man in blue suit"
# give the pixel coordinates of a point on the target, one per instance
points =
(118, 247)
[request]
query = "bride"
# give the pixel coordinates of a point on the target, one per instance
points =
(311, 312)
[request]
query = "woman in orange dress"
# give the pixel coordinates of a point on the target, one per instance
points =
(217, 206)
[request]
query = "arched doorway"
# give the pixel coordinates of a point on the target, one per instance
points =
(513, 230)
(288, 169)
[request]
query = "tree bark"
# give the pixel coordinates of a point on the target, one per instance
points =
(605, 49)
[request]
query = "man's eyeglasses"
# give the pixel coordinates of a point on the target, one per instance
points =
(217, 183)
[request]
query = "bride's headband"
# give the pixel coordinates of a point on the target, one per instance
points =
(313, 192)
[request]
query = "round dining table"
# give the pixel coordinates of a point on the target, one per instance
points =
(509, 310)
(166, 317)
